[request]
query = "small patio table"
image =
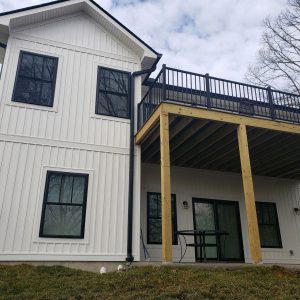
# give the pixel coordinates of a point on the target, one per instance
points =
(200, 242)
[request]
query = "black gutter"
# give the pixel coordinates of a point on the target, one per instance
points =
(130, 257)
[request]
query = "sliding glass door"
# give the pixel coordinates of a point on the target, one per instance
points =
(222, 216)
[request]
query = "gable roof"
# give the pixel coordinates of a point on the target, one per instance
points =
(17, 11)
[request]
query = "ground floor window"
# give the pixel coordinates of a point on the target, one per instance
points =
(268, 225)
(154, 218)
(64, 205)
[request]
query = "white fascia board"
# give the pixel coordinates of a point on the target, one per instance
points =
(35, 15)
(5, 20)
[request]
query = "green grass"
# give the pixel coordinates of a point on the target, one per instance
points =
(28, 282)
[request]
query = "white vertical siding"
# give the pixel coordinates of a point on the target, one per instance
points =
(72, 118)
(79, 30)
(23, 169)
(189, 183)
(67, 137)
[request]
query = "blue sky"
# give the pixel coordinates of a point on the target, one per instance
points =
(220, 37)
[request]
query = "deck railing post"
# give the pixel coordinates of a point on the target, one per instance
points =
(207, 89)
(139, 115)
(271, 102)
(164, 83)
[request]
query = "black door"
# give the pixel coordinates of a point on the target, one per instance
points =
(223, 216)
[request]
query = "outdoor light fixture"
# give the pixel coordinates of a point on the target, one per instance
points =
(185, 205)
(297, 210)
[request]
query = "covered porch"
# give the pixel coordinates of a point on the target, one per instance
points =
(207, 158)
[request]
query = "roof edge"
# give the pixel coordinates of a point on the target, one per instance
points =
(126, 28)
(97, 6)
(31, 7)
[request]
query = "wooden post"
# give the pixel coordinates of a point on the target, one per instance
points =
(166, 214)
(252, 223)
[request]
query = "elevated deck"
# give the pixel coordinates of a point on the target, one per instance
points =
(198, 121)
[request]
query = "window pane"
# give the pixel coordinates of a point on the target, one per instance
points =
(154, 206)
(62, 220)
(265, 212)
(35, 79)
(54, 188)
(154, 231)
(114, 81)
(112, 105)
(27, 90)
(104, 83)
(119, 82)
(49, 69)
(27, 66)
(269, 236)
(46, 94)
(38, 67)
(78, 189)
(66, 189)
(259, 214)
(272, 214)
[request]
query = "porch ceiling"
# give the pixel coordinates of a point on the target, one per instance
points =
(206, 144)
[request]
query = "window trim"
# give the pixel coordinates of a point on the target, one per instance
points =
(45, 197)
(175, 219)
(280, 246)
(21, 52)
(128, 96)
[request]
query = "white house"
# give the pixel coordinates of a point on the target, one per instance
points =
(98, 162)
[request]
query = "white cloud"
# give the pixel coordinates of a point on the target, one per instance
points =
(219, 37)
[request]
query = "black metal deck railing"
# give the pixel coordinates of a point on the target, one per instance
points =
(178, 86)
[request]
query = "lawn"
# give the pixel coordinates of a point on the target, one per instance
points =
(28, 282)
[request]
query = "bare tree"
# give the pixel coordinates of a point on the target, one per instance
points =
(278, 61)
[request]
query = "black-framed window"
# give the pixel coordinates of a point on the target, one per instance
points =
(64, 205)
(2, 56)
(35, 79)
(113, 93)
(154, 218)
(268, 225)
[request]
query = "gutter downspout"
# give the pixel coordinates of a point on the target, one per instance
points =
(130, 257)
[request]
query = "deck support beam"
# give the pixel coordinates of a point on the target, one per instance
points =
(166, 214)
(252, 223)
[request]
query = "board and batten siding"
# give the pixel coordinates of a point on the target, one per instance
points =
(188, 183)
(66, 137)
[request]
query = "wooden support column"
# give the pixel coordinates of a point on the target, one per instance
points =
(166, 214)
(252, 223)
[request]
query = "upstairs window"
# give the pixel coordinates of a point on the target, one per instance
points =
(268, 225)
(113, 96)
(64, 206)
(154, 218)
(2, 56)
(35, 79)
